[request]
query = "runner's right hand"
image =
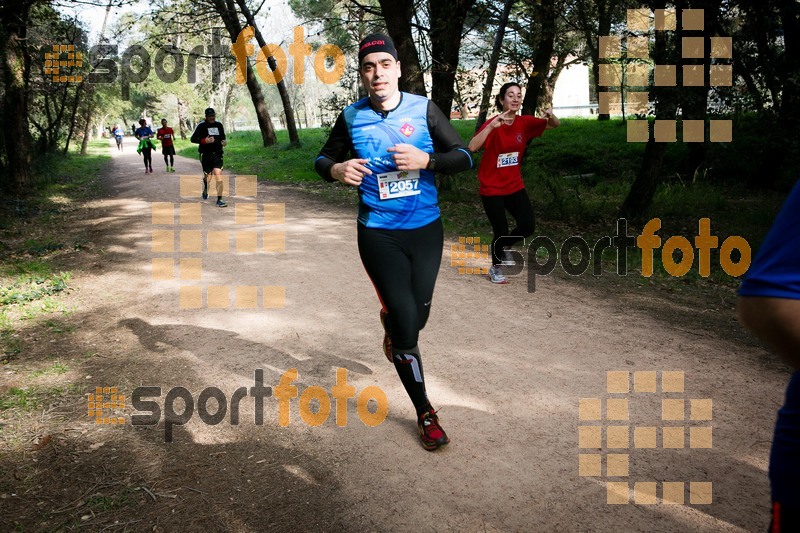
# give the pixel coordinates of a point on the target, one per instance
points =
(351, 171)
(502, 117)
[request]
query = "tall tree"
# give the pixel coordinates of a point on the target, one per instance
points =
(15, 64)
(595, 18)
(446, 24)
(790, 24)
(545, 17)
(90, 92)
(230, 18)
(288, 111)
(398, 15)
(640, 196)
(486, 95)
(695, 99)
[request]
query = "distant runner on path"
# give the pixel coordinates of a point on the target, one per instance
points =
(145, 134)
(165, 135)
(210, 135)
(118, 136)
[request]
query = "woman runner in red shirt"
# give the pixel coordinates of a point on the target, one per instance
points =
(505, 138)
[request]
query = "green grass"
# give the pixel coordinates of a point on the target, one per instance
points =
(10, 345)
(29, 286)
(32, 238)
(58, 327)
(55, 369)
(23, 399)
(73, 177)
(32, 398)
(99, 502)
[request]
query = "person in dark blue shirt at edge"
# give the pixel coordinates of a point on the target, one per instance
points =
(769, 306)
(389, 145)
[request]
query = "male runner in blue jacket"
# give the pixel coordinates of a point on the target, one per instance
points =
(389, 145)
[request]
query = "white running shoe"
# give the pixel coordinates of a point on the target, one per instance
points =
(496, 275)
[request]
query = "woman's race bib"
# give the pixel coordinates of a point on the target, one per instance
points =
(508, 160)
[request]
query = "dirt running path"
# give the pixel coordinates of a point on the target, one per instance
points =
(506, 368)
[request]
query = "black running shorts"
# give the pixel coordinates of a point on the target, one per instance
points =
(210, 161)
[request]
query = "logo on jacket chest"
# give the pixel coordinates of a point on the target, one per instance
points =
(407, 129)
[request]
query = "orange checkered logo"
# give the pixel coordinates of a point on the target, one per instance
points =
(628, 66)
(61, 59)
(103, 403)
(607, 440)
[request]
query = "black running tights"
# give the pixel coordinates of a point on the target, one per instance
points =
(403, 265)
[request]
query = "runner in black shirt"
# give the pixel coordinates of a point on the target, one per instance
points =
(210, 135)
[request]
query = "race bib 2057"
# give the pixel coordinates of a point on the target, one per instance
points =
(398, 184)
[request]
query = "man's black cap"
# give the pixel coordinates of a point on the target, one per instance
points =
(376, 42)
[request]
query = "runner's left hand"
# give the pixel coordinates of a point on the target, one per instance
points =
(408, 157)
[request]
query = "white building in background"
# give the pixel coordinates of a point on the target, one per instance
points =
(571, 93)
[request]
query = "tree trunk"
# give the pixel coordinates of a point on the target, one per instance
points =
(788, 78)
(694, 102)
(760, 16)
(647, 180)
(640, 197)
(72, 117)
(546, 19)
(447, 22)
(549, 86)
(462, 107)
(181, 125)
(231, 20)
(291, 126)
(15, 67)
(227, 102)
(87, 129)
(605, 9)
(790, 21)
(486, 97)
(397, 15)
(262, 113)
(752, 87)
